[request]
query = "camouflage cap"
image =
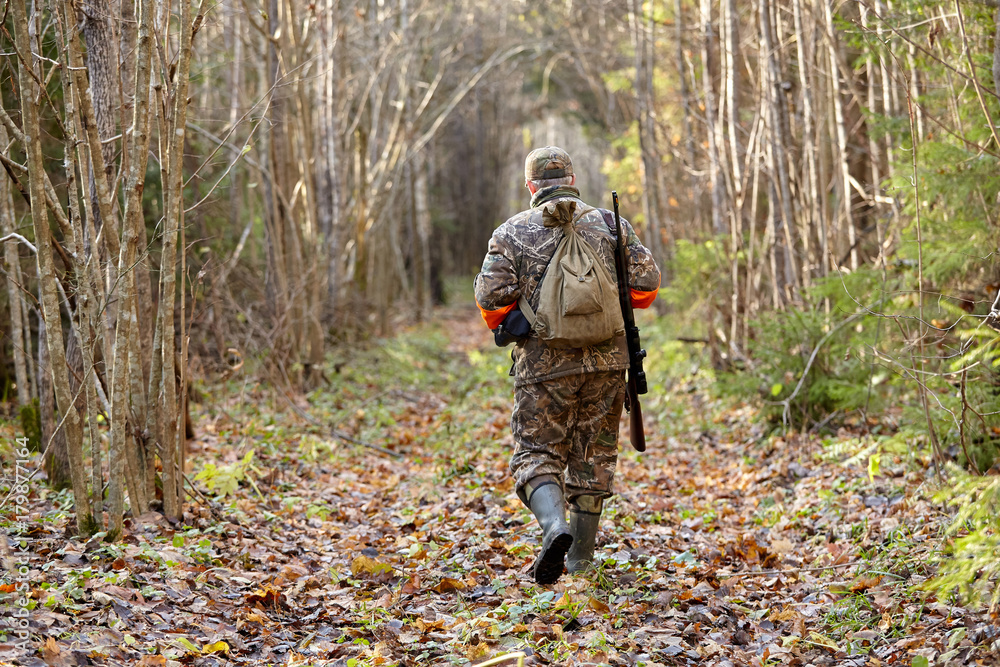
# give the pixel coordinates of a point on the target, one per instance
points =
(547, 162)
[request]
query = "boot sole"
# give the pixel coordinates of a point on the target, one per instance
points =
(549, 566)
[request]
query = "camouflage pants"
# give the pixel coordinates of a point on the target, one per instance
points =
(568, 428)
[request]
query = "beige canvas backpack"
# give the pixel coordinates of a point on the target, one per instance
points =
(578, 302)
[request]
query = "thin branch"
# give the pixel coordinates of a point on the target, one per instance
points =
(18, 237)
(246, 149)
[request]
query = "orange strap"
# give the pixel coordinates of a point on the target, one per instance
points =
(494, 318)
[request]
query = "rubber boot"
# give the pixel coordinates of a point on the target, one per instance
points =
(584, 518)
(545, 500)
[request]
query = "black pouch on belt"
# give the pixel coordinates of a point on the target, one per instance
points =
(514, 328)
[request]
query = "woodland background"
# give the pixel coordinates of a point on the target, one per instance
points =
(195, 190)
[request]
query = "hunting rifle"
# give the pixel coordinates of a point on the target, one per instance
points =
(636, 376)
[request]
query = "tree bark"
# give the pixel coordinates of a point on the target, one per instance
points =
(686, 124)
(712, 128)
(102, 70)
(30, 103)
(170, 445)
(83, 338)
(730, 42)
(138, 147)
(777, 122)
(649, 152)
(12, 261)
(813, 220)
(996, 53)
(840, 132)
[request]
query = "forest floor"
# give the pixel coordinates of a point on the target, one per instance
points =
(302, 546)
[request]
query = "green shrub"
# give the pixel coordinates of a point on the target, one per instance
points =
(805, 363)
(970, 566)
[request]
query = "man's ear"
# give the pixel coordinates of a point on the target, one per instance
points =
(573, 181)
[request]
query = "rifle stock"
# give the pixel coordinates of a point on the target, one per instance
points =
(636, 376)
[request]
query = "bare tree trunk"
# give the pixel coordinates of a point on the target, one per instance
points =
(422, 253)
(281, 290)
(102, 68)
(730, 42)
(170, 453)
(47, 411)
(128, 34)
(874, 150)
(30, 102)
(777, 122)
(888, 107)
(810, 193)
(331, 135)
(686, 105)
(83, 342)
(310, 241)
(138, 150)
(914, 82)
(14, 282)
(139, 458)
(842, 160)
(754, 273)
(996, 53)
(644, 62)
(712, 128)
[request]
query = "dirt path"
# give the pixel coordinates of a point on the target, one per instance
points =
(722, 548)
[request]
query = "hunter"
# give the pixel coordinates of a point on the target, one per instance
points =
(567, 401)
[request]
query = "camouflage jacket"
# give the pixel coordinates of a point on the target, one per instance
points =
(518, 255)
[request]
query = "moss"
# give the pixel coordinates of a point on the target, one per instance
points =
(31, 425)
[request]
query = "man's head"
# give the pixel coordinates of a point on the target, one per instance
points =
(547, 166)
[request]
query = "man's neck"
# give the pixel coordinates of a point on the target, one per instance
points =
(553, 192)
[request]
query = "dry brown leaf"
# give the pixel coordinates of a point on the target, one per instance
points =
(448, 584)
(411, 587)
(864, 583)
(266, 596)
(215, 647)
(598, 606)
(786, 614)
(152, 661)
(824, 641)
(782, 546)
(51, 652)
(477, 651)
(365, 565)
(426, 626)
(564, 602)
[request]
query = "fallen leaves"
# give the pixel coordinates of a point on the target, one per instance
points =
(719, 549)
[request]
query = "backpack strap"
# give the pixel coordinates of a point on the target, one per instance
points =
(529, 314)
(522, 302)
